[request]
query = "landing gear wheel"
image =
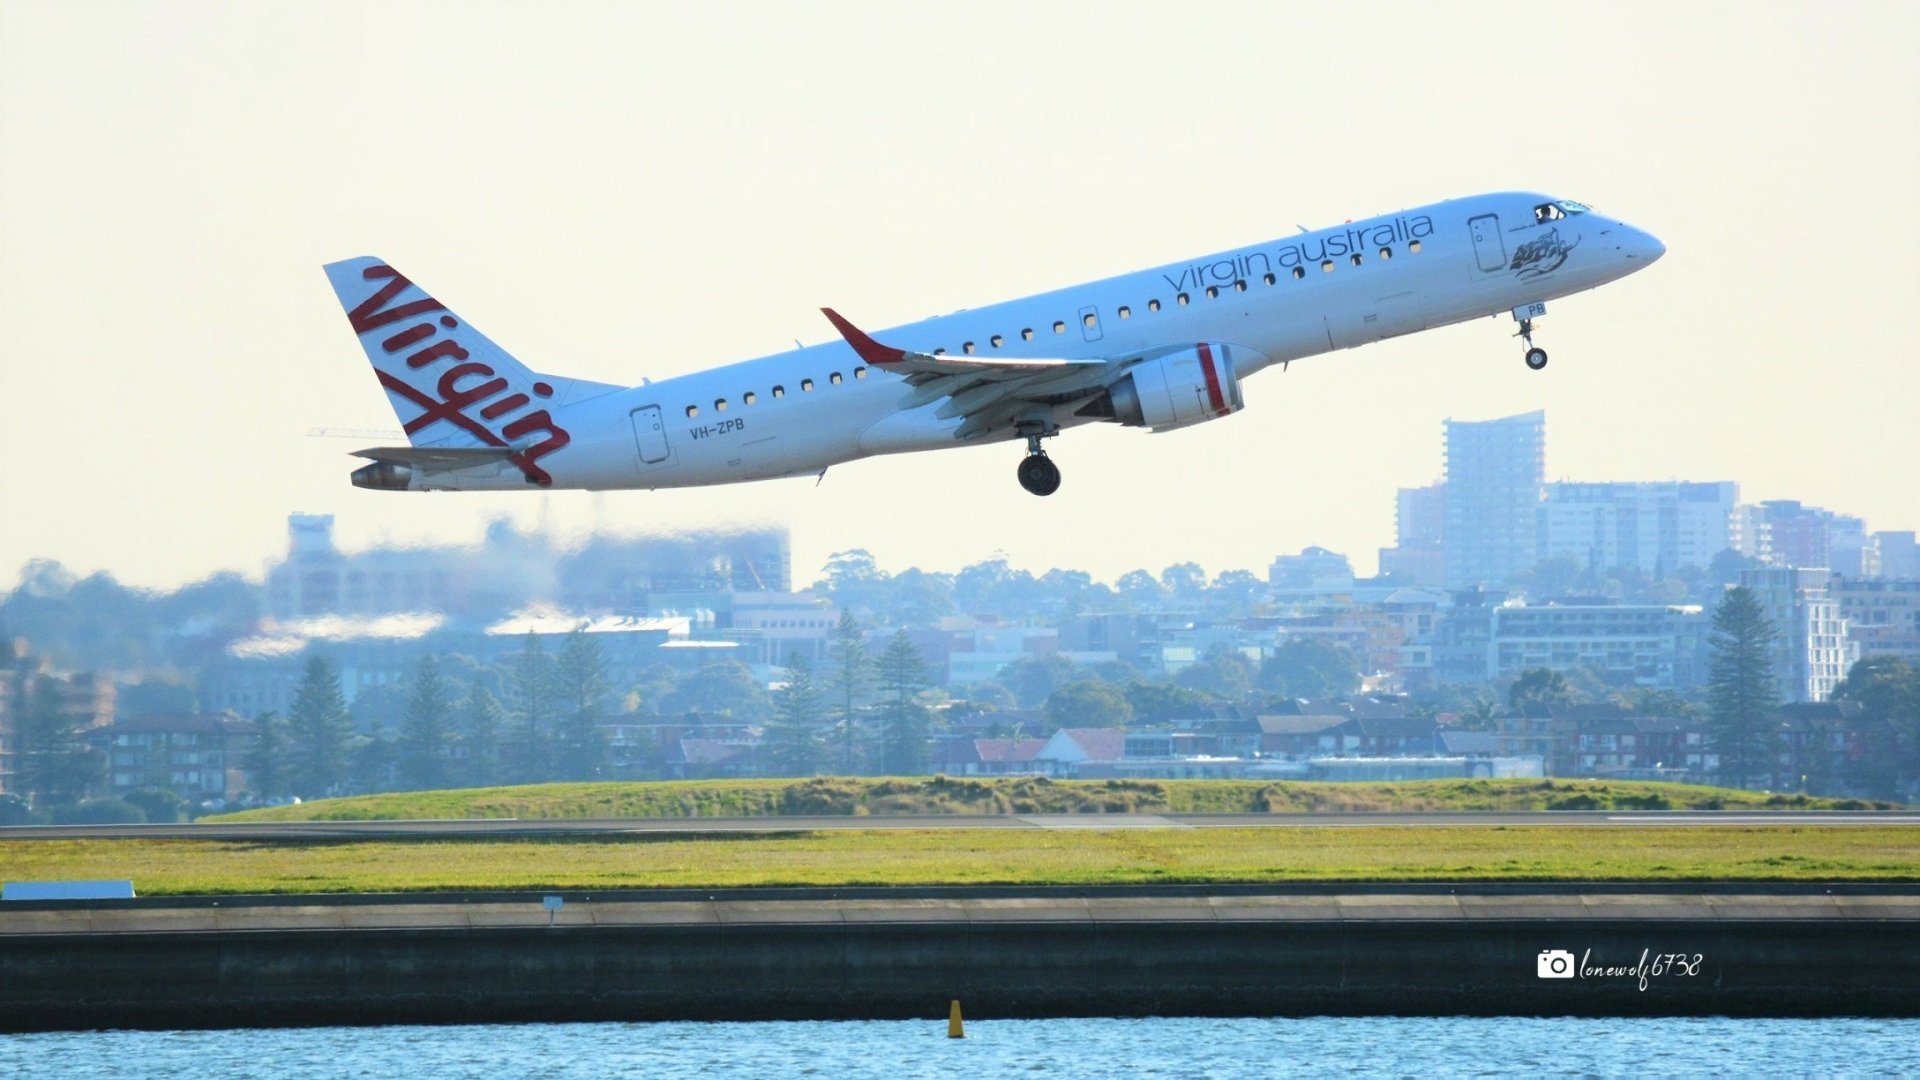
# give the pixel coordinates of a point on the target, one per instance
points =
(1039, 474)
(1536, 358)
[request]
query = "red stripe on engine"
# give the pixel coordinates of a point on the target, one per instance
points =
(1213, 380)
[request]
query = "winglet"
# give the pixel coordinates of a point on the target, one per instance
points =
(870, 350)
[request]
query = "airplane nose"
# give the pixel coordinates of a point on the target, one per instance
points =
(1645, 247)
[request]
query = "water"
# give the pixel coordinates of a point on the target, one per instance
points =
(1093, 1048)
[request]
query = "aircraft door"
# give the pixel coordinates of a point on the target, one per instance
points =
(1488, 246)
(1090, 323)
(650, 432)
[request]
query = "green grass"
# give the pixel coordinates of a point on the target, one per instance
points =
(1025, 795)
(985, 856)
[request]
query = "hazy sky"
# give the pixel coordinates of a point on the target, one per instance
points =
(623, 190)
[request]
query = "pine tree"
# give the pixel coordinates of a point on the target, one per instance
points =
(55, 762)
(1740, 692)
(426, 735)
(903, 674)
(320, 730)
(530, 694)
(270, 763)
(794, 742)
(581, 672)
(853, 670)
(482, 719)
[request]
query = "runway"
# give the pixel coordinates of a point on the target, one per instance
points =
(511, 828)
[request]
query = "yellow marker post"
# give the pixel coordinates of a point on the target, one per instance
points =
(954, 1028)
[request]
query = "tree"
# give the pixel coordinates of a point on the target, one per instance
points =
(1222, 671)
(795, 741)
(530, 701)
(1536, 688)
(320, 731)
(55, 762)
(1740, 687)
(1158, 703)
(1185, 585)
(482, 720)
(270, 764)
(1089, 704)
(905, 722)
(581, 748)
(1032, 679)
(852, 670)
(723, 688)
(426, 735)
(1307, 667)
(1888, 690)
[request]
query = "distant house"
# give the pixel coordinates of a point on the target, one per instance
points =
(987, 757)
(1302, 736)
(200, 756)
(1070, 747)
(710, 759)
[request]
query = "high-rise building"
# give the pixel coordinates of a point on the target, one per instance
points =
(1898, 555)
(1418, 556)
(1654, 527)
(1811, 648)
(1495, 470)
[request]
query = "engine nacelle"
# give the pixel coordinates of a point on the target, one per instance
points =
(1179, 389)
(383, 476)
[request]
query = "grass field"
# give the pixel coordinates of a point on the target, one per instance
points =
(1024, 795)
(985, 856)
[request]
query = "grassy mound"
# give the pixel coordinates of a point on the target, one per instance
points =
(1024, 795)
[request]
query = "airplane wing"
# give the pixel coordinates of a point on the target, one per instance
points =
(439, 458)
(990, 393)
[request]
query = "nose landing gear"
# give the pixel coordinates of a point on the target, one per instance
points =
(1038, 474)
(1524, 315)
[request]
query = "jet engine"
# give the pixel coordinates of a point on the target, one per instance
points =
(1178, 389)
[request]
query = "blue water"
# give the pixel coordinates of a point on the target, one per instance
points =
(998, 1048)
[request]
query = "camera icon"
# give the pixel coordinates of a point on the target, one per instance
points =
(1554, 964)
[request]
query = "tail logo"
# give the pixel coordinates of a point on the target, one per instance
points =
(463, 385)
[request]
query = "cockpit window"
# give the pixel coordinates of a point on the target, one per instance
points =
(1554, 211)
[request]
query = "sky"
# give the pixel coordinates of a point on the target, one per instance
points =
(624, 190)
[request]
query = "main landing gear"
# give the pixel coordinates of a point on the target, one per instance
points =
(1524, 315)
(1038, 474)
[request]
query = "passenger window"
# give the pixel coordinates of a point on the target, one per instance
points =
(1059, 327)
(967, 347)
(749, 398)
(1327, 267)
(1299, 272)
(719, 404)
(1181, 299)
(1414, 246)
(806, 386)
(1027, 334)
(1089, 320)
(834, 378)
(1386, 253)
(779, 391)
(859, 373)
(1125, 312)
(995, 340)
(1240, 286)
(1213, 292)
(1153, 305)
(940, 352)
(693, 411)
(1356, 258)
(1269, 279)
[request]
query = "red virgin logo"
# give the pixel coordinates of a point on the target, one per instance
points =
(464, 385)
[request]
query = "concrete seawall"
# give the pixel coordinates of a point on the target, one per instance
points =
(1735, 950)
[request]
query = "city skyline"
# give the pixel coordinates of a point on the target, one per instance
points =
(638, 192)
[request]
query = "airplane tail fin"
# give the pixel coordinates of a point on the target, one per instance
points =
(448, 383)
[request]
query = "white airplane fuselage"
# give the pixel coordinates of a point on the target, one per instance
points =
(800, 412)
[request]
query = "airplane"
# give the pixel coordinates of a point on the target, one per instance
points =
(1160, 349)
